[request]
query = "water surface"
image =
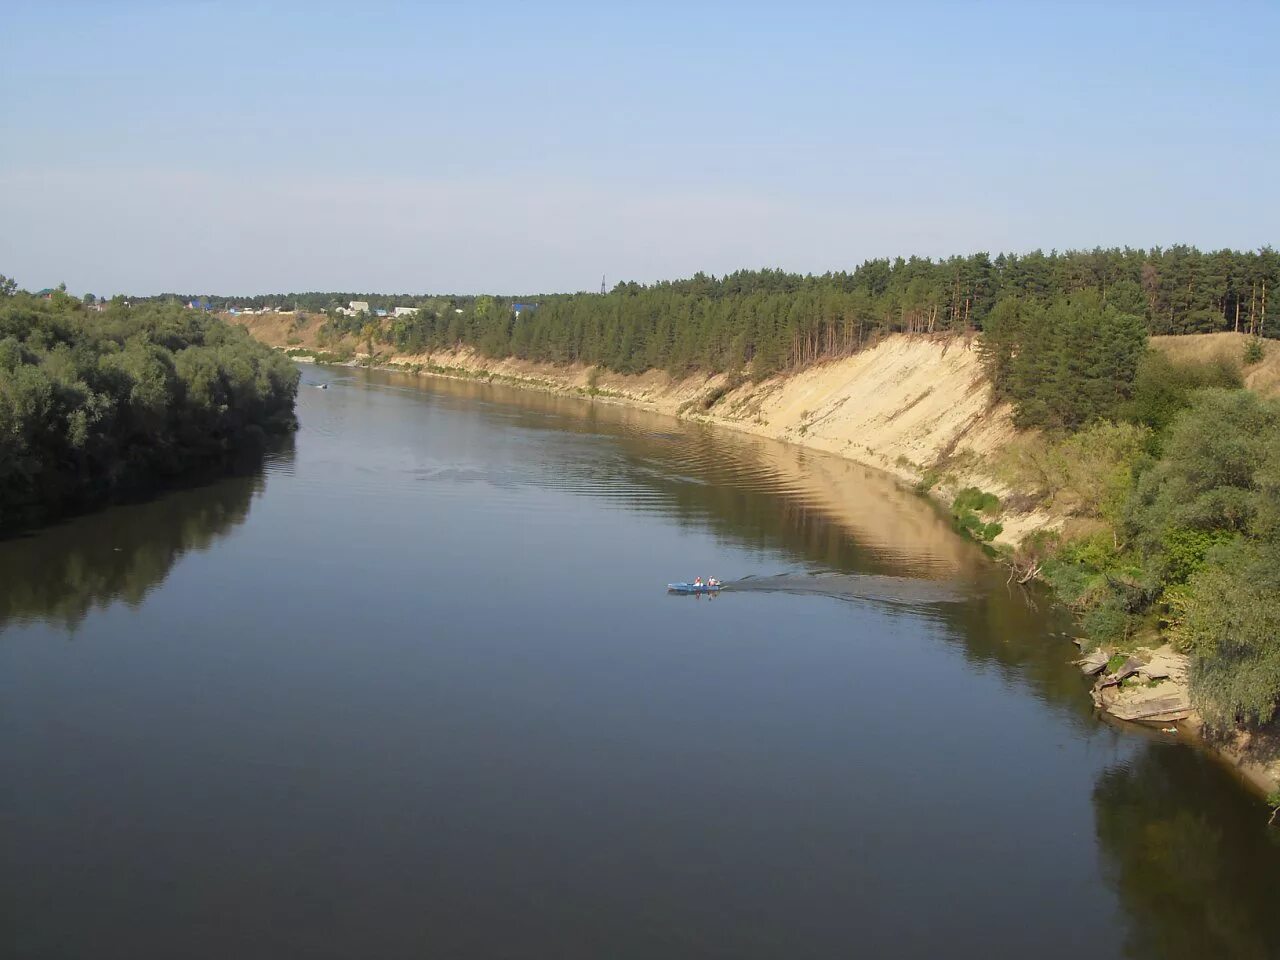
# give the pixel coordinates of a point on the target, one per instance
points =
(415, 689)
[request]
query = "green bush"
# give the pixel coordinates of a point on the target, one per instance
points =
(1229, 622)
(1106, 623)
(1210, 477)
(1162, 389)
(1253, 351)
(928, 480)
(971, 498)
(973, 525)
(1089, 473)
(967, 509)
(1182, 552)
(97, 404)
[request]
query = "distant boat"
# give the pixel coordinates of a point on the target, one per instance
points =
(694, 587)
(321, 386)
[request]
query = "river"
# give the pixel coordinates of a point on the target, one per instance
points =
(414, 688)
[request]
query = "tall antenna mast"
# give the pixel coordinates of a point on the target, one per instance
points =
(602, 283)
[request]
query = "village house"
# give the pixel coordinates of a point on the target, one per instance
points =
(355, 308)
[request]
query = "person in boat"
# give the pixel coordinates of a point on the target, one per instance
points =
(697, 582)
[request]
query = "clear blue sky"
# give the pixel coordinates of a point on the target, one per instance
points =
(242, 148)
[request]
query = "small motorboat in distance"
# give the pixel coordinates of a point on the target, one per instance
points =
(711, 586)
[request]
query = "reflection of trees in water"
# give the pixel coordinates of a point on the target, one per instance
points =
(1010, 627)
(1191, 858)
(61, 573)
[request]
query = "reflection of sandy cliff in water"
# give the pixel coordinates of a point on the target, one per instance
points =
(875, 509)
(834, 511)
(62, 572)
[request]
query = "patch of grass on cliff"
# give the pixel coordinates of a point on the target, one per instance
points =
(716, 394)
(974, 511)
(599, 392)
(928, 480)
(445, 371)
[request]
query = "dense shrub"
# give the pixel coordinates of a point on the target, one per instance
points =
(1209, 478)
(93, 404)
(1089, 473)
(979, 501)
(1197, 546)
(1253, 351)
(970, 507)
(1228, 619)
(1162, 389)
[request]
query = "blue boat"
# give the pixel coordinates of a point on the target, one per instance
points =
(694, 587)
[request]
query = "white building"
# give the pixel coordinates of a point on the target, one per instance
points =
(404, 311)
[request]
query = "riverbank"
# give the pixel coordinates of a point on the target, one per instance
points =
(919, 408)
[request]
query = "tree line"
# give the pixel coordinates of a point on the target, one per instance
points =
(96, 404)
(767, 321)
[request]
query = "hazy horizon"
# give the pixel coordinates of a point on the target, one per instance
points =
(218, 148)
(610, 282)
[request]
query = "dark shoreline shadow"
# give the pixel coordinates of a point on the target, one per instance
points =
(1190, 857)
(59, 573)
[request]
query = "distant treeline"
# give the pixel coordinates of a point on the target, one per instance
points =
(94, 404)
(314, 301)
(766, 321)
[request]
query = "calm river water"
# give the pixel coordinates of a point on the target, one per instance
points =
(415, 689)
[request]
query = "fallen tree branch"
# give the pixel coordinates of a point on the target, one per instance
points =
(1025, 574)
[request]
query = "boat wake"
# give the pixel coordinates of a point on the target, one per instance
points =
(850, 586)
